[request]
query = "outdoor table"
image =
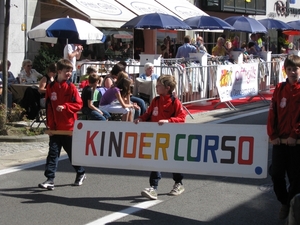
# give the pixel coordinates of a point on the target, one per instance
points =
(18, 90)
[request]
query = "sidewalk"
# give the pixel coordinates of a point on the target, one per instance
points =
(16, 151)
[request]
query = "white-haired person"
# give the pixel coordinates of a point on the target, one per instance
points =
(149, 72)
(29, 75)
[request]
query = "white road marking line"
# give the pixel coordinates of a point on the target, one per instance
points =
(27, 166)
(239, 116)
(128, 211)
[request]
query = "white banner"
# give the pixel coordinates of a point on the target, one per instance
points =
(207, 149)
(237, 81)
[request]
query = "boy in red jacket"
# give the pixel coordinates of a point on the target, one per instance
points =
(62, 103)
(283, 130)
(164, 109)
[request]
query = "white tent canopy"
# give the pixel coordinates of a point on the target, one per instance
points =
(103, 13)
(182, 8)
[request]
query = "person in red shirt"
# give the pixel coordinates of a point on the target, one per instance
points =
(165, 108)
(283, 130)
(62, 104)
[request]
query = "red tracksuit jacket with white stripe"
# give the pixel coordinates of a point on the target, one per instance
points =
(65, 94)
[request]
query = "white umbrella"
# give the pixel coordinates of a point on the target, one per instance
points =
(76, 31)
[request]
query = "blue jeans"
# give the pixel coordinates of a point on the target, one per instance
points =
(55, 144)
(94, 115)
(156, 176)
(74, 77)
(141, 103)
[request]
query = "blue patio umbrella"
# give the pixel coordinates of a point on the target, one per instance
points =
(274, 24)
(246, 24)
(156, 21)
(208, 22)
(294, 24)
(73, 30)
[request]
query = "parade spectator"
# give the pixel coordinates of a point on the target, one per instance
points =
(29, 75)
(11, 78)
(149, 75)
(63, 101)
(254, 38)
(73, 52)
(283, 130)
(89, 109)
(165, 108)
(45, 81)
(184, 50)
(117, 98)
(219, 49)
(200, 44)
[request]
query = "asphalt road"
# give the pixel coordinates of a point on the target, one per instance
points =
(111, 196)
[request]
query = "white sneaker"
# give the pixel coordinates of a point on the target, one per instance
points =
(150, 193)
(177, 189)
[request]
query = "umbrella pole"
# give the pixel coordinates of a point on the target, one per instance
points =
(133, 46)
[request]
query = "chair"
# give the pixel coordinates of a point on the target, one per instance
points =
(40, 118)
(145, 89)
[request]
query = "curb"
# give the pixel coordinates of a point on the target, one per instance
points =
(38, 138)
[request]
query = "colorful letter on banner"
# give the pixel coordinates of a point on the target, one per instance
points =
(237, 81)
(207, 149)
(282, 74)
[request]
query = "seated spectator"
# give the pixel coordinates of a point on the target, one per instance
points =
(117, 98)
(87, 94)
(47, 79)
(29, 75)
(111, 78)
(236, 43)
(251, 49)
(11, 78)
(149, 75)
(219, 49)
(84, 80)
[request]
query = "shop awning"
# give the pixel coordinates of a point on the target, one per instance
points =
(145, 7)
(102, 13)
(182, 8)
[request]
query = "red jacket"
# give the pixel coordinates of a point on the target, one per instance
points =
(284, 112)
(65, 94)
(165, 108)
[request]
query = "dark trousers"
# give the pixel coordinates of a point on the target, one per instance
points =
(156, 176)
(95, 115)
(286, 162)
(55, 145)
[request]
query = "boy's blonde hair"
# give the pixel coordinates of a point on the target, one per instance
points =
(93, 78)
(168, 81)
(64, 64)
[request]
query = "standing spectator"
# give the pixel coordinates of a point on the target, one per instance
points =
(219, 49)
(149, 75)
(72, 52)
(29, 75)
(186, 48)
(254, 38)
(164, 109)
(200, 44)
(89, 109)
(283, 130)
(63, 101)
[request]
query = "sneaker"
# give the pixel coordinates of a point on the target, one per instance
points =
(79, 179)
(48, 184)
(284, 212)
(177, 189)
(150, 193)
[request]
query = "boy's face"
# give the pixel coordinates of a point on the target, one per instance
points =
(293, 73)
(161, 89)
(65, 74)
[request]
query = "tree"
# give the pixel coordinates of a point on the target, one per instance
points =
(4, 59)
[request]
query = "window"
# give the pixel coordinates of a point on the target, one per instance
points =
(255, 7)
